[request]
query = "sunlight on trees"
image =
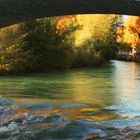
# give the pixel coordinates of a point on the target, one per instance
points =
(129, 35)
(97, 27)
(58, 43)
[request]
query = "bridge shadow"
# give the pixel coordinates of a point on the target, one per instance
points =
(16, 11)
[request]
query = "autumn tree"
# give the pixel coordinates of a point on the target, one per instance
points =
(97, 27)
(58, 43)
(130, 33)
(12, 58)
(49, 46)
(97, 38)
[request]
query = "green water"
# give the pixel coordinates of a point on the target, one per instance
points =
(98, 94)
(117, 84)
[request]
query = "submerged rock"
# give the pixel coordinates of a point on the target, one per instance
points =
(56, 127)
(6, 108)
(91, 137)
(5, 102)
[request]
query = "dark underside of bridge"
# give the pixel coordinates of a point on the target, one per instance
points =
(15, 11)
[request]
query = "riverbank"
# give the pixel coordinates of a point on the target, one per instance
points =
(129, 58)
(28, 73)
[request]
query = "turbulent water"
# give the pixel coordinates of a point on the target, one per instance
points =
(79, 104)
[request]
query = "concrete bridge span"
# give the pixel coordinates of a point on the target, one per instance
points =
(15, 11)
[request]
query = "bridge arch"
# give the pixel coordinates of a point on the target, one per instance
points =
(15, 11)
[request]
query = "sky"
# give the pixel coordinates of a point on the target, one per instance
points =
(125, 16)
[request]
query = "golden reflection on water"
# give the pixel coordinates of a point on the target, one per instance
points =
(71, 113)
(125, 82)
(94, 89)
(127, 86)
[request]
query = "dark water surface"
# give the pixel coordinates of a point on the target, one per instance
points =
(79, 104)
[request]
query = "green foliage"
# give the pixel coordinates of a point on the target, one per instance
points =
(37, 46)
(97, 39)
(48, 49)
(12, 58)
(93, 53)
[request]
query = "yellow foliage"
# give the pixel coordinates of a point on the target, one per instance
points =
(64, 21)
(95, 26)
(131, 31)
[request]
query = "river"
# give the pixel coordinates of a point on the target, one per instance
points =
(79, 104)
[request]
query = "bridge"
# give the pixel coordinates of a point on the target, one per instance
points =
(15, 11)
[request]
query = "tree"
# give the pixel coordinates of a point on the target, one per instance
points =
(58, 43)
(130, 34)
(97, 27)
(97, 38)
(49, 48)
(12, 58)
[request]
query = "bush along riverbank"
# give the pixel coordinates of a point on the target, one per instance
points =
(130, 58)
(124, 57)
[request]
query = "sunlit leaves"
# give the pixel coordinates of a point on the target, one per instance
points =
(97, 27)
(131, 31)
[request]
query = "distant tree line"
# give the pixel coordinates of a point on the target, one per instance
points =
(129, 38)
(50, 43)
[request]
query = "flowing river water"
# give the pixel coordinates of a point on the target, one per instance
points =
(79, 104)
